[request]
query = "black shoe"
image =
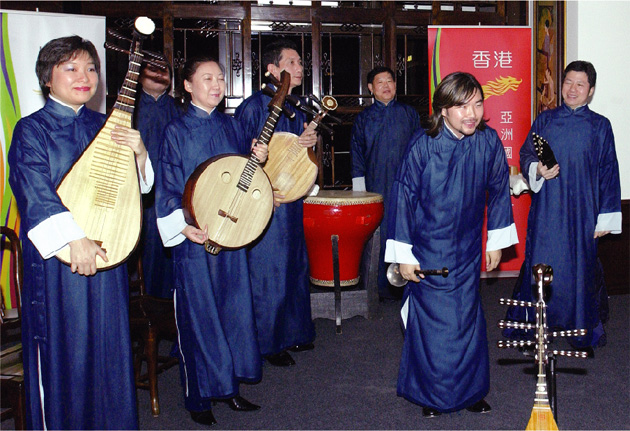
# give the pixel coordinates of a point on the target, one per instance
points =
(240, 404)
(428, 412)
(282, 359)
(204, 418)
(302, 347)
(479, 407)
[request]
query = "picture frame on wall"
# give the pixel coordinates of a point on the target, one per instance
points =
(549, 25)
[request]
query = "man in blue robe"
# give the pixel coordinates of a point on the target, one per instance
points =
(380, 135)
(574, 202)
(78, 369)
(155, 109)
(213, 298)
(278, 261)
(437, 213)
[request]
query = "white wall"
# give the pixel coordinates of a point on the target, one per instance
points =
(597, 32)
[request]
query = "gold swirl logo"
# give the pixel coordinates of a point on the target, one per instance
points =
(500, 86)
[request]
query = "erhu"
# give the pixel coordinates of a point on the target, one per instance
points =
(542, 417)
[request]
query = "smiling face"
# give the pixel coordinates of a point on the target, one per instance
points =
(575, 89)
(384, 87)
(74, 82)
(207, 86)
(291, 62)
(463, 119)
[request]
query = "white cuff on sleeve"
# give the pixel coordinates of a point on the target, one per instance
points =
(171, 228)
(502, 238)
(399, 252)
(358, 184)
(145, 186)
(609, 222)
(534, 184)
(54, 233)
(314, 190)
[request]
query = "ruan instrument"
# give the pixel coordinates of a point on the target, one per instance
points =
(231, 194)
(542, 417)
(292, 168)
(544, 151)
(101, 189)
(351, 217)
(395, 278)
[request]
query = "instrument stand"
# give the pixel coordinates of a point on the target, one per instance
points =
(546, 396)
(551, 385)
(337, 281)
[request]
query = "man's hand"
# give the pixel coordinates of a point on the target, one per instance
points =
(492, 259)
(547, 174)
(408, 272)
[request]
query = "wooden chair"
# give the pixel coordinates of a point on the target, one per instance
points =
(11, 369)
(151, 320)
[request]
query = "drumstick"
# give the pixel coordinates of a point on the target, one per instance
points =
(443, 272)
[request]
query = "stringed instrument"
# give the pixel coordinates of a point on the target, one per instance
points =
(292, 168)
(542, 416)
(101, 190)
(544, 151)
(231, 194)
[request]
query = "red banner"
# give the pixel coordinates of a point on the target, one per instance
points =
(500, 59)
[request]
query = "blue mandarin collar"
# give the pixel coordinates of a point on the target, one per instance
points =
(567, 111)
(381, 105)
(161, 98)
(198, 112)
(60, 110)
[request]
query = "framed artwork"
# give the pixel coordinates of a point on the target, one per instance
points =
(549, 23)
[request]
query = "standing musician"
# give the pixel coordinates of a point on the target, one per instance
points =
(155, 109)
(380, 135)
(78, 369)
(278, 261)
(437, 214)
(574, 203)
(213, 297)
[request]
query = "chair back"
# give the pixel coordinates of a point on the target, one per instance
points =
(16, 275)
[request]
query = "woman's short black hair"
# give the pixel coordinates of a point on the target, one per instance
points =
(58, 51)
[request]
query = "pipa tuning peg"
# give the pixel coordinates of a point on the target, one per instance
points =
(571, 333)
(570, 353)
(502, 344)
(505, 301)
(518, 325)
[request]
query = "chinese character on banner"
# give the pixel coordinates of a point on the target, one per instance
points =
(500, 59)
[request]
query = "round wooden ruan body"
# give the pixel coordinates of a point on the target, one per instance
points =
(353, 217)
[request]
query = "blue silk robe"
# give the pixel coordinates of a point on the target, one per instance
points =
(437, 213)
(152, 116)
(563, 217)
(75, 329)
(380, 135)
(278, 260)
(213, 299)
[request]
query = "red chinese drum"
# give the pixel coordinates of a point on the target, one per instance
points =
(353, 217)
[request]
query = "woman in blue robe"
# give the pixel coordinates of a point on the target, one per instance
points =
(278, 260)
(437, 214)
(573, 204)
(380, 135)
(154, 110)
(78, 369)
(213, 299)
